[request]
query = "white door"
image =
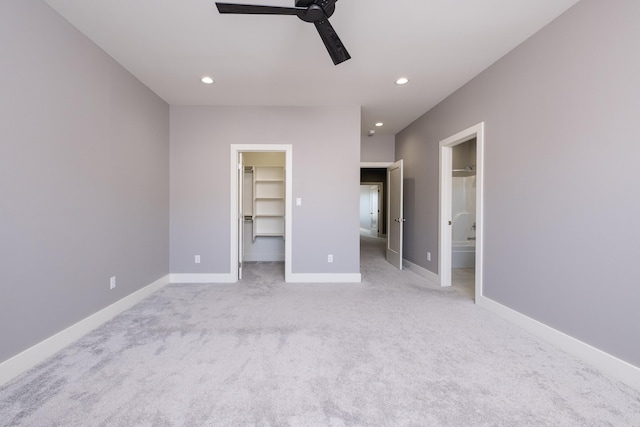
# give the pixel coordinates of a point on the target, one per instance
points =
(365, 208)
(395, 220)
(375, 210)
(240, 214)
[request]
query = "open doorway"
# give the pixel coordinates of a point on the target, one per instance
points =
(261, 189)
(373, 174)
(377, 176)
(463, 217)
(263, 209)
(461, 185)
(391, 220)
(371, 208)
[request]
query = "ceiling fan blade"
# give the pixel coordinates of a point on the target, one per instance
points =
(252, 9)
(332, 42)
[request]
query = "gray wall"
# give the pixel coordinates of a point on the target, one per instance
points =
(326, 159)
(562, 201)
(83, 177)
(377, 148)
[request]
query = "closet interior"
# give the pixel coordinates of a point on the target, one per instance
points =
(263, 206)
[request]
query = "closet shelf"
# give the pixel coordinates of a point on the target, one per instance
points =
(268, 201)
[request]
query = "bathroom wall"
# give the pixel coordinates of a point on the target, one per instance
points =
(464, 155)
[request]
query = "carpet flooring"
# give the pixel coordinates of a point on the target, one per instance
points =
(393, 350)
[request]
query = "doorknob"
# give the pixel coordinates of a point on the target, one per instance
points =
(449, 222)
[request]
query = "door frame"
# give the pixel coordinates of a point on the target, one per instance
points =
(240, 215)
(446, 172)
(235, 150)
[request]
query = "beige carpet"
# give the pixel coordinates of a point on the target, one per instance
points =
(392, 351)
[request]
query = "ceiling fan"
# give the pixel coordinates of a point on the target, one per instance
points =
(316, 11)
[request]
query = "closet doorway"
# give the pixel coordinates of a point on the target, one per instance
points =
(261, 189)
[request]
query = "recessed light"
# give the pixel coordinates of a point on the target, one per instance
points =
(379, 124)
(207, 80)
(402, 81)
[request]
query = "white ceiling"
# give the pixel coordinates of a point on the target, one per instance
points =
(280, 60)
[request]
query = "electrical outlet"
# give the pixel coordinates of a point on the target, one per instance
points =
(197, 259)
(428, 256)
(112, 282)
(329, 258)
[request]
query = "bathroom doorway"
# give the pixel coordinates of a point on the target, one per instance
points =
(461, 192)
(463, 217)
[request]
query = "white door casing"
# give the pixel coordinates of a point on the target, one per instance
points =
(395, 219)
(240, 214)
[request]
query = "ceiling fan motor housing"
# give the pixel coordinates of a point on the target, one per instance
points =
(313, 13)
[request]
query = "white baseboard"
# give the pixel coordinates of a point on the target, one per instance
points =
(202, 278)
(292, 277)
(429, 275)
(324, 278)
(610, 365)
(32, 356)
